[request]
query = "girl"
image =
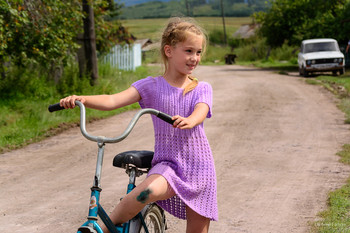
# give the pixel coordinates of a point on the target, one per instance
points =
(182, 179)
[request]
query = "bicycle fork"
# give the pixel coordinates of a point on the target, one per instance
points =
(95, 209)
(91, 225)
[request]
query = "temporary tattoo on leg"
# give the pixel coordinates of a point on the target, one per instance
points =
(144, 195)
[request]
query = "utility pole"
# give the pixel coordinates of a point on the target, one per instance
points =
(89, 38)
(188, 8)
(223, 21)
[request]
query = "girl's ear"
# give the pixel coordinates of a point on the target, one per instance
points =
(167, 50)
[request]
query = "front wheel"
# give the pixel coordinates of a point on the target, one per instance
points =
(154, 219)
(305, 72)
(301, 71)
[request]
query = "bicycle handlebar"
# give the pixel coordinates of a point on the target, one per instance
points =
(55, 107)
(101, 139)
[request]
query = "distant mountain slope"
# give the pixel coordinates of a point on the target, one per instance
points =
(134, 2)
(142, 9)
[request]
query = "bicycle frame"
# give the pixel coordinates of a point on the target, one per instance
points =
(95, 209)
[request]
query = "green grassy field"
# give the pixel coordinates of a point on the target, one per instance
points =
(337, 218)
(152, 28)
(25, 119)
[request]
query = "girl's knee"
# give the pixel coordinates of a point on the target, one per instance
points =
(154, 188)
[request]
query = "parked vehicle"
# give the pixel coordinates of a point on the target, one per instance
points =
(320, 55)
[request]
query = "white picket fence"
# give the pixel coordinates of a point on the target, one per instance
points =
(125, 57)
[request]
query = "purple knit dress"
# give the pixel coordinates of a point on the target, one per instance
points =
(182, 156)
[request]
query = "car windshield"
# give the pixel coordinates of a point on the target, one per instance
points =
(322, 46)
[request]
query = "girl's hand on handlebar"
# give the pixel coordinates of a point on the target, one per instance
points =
(197, 117)
(69, 102)
(183, 122)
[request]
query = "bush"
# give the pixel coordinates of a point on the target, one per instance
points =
(257, 49)
(234, 43)
(215, 54)
(252, 50)
(217, 37)
(22, 82)
(284, 53)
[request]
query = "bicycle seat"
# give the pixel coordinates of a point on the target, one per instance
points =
(138, 158)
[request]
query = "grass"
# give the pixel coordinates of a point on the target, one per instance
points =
(211, 24)
(282, 66)
(25, 119)
(345, 155)
(145, 28)
(153, 28)
(337, 217)
(30, 121)
(339, 86)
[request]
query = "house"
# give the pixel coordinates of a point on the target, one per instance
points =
(246, 31)
(146, 44)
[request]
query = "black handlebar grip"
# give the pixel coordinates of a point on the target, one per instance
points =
(55, 107)
(165, 117)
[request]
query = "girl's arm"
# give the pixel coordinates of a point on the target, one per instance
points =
(197, 117)
(104, 102)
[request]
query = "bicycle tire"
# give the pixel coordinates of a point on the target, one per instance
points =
(155, 220)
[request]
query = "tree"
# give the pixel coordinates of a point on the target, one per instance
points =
(38, 32)
(98, 14)
(295, 20)
(281, 21)
(44, 33)
(223, 21)
(89, 64)
(344, 26)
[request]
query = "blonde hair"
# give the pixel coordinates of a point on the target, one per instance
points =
(178, 30)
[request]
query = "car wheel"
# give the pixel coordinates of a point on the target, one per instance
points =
(305, 73)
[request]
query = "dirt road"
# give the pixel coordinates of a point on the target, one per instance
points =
(274, 140)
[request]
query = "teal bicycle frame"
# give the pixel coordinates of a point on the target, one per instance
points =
(95, 209)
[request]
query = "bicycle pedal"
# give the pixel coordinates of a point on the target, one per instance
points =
(86, 229)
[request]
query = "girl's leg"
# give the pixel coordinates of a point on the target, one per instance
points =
(153, 188)
(196, 223)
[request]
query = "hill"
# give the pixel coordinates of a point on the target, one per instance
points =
(142, 9)
(128, 3)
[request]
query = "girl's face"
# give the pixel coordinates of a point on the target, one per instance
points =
(185, 56)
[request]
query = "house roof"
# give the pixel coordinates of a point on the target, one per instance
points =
(143, 42)
(246, 31)
(151, 47)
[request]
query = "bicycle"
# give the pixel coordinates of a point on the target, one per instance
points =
(152, 217)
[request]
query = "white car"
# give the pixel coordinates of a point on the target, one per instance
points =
(320, 55)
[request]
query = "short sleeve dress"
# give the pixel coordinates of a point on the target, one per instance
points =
(182, 157)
